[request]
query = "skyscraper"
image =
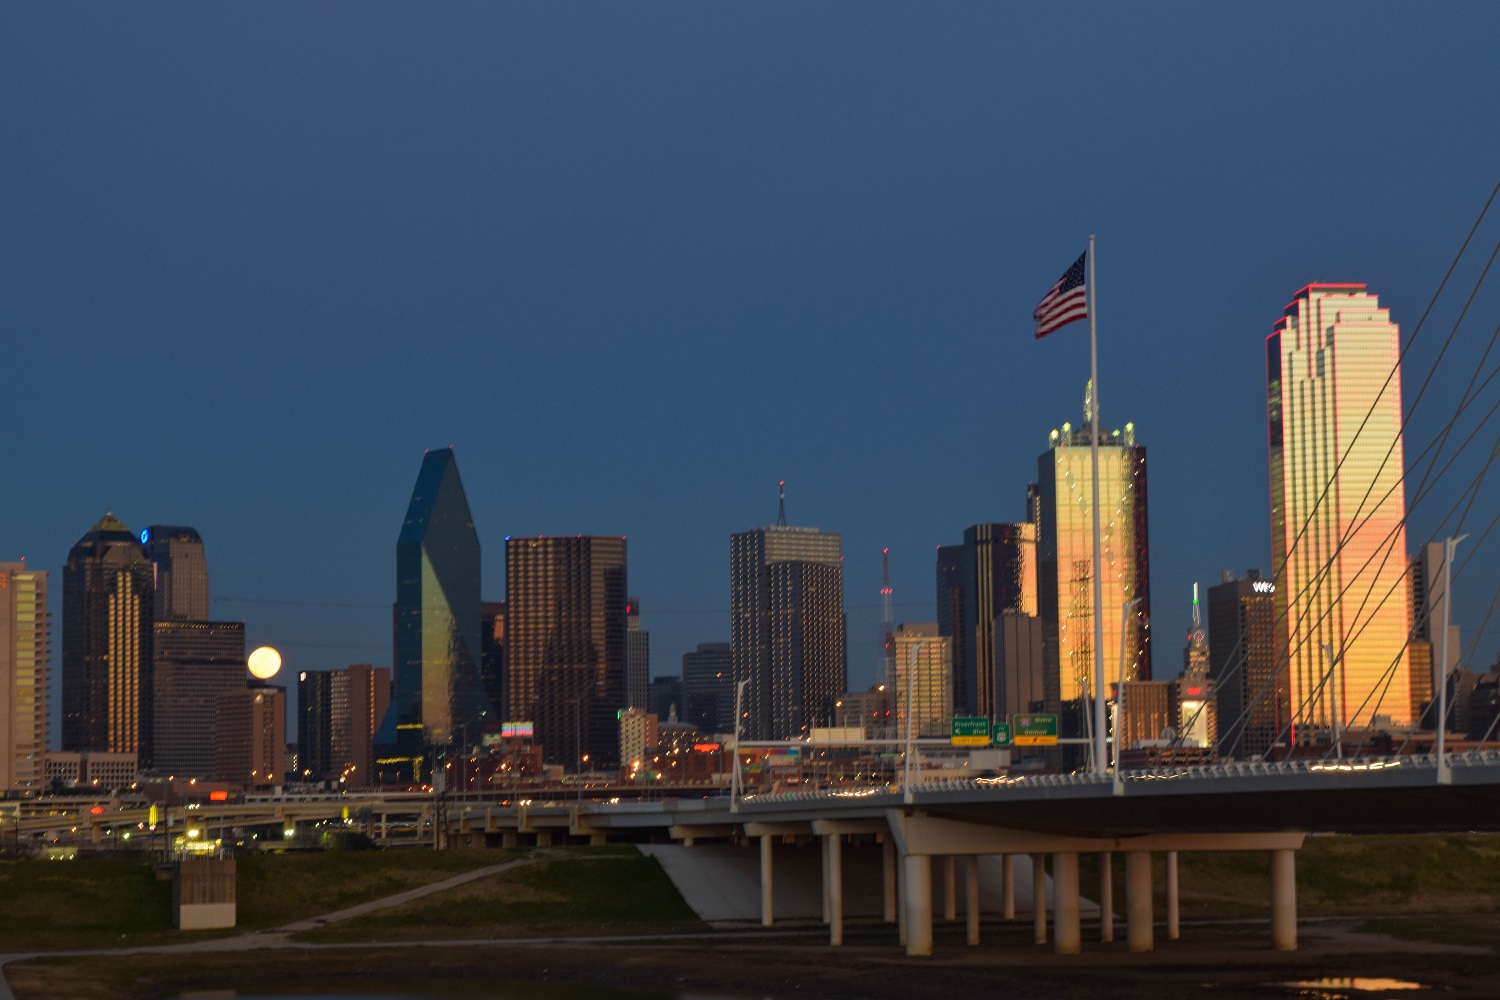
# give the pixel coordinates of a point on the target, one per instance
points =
(107, 681)
(1249, 679)
(1193, 694)
(787, 630)
(565, 644)
(492, 655)
(193, 663)
(1338, 508)
(1065, 563)
(637, 656)
(1427, 611)
(337, 712)
(929, 687)
(180, 573)
(950, 614)
(440, 695)
(708, 687)
(998, 576)
(24, 653)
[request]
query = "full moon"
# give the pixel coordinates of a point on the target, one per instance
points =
(264, 662)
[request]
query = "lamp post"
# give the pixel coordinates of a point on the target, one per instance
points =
(736, 786)
(1333, 703)
(911, 687)
(1117, 785)
(1444, 776)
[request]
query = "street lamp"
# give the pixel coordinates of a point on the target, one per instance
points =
(911, 685)
(736, 787)
(1118, 782)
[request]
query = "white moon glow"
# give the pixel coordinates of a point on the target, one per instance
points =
(264, 662)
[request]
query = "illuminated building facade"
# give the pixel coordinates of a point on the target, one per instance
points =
(708, 687)
(999, 576)
(337, 712)
(440, 696)
(1338, 535)
(1249, 680)
(950, 614)
(251, 750)
(930, 686)
(107, 682)
(787, 628)
(492, 656)
(1193, 693)
(1065, 565)
(24, 651)
(565, 644)
(1427, 610)
(180, 572)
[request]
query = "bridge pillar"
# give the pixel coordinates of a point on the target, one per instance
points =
(766, 893)
(971, 896)
(1138, 929)
(1008, 886)
(1067, 940)
(827, 881)
(1172, 922)
(1106, 896)
(918, 868)
(901, 899)
(950, 888)
(1039, 897)
(1284, 900)
(834, 850)
(507, 838)
(544, 838)
(888, 876)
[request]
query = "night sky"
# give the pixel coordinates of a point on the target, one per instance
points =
(638, 262)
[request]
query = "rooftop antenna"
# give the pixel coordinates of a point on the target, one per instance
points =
(887, 621)
(781, 504)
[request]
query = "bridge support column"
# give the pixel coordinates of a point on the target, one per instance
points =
(971, 896)
(888, 876)
(918, 868)
(1039, 897)
(1008, 886)
(901, 902)
(1284, 900)
(1066, 937)
(950, 888)
(1172, 913)
(1138, 929)
(508, 838)
(544, 838)
(834, 850)
(1106, 896)
(766, 893)
(827, 882)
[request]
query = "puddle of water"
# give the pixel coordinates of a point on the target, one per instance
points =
(1341, 987)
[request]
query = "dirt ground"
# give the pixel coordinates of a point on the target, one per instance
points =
(1224, 962)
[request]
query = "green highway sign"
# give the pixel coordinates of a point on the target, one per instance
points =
(1034, 730)
(1001, 737)
(970, 731)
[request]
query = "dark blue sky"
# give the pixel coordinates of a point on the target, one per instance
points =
(636, 263)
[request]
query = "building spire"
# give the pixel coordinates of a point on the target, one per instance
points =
(781, 504)
(1197, 619)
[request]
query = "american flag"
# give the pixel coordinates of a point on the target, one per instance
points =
(1064, 302)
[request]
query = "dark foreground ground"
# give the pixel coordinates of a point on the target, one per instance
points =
(1452, 956)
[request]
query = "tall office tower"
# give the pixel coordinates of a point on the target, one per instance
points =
(565, 634)
(1020, 669)
(1249, 684)
(1427, 611)
(337, 713)
(492, 655)
(950, 614)
(787, 631)
(440, 695)
(1148, 713)
(998, 576)
(924, 696)
(23, 677)
(1193, 693)
(637, 656)
(251, 751)
(107, 687)
(664, 698)
(708, 687)
(639, 735)
(181, 573)
(193, 664)
(1338, 508)
(1065, 564)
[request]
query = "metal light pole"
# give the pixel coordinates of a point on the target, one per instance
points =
(1444, 776)
(1118, 780)
(911, 686)
(1333, 698)
(736, 785)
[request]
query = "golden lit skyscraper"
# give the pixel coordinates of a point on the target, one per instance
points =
(23, 677)
(1065, 560)
(930, 686)
(1338, 539)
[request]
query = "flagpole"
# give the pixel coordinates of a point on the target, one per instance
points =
(1099, 733)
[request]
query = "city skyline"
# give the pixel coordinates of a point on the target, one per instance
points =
(631, 220)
